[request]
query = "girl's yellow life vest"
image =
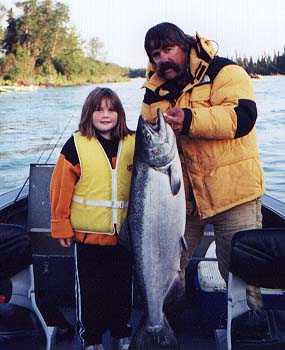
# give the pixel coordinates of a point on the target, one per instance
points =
(100, 197)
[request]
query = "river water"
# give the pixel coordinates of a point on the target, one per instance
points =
(35, 125)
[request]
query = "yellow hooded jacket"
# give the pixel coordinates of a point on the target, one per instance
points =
(100, 197)
(219, 153)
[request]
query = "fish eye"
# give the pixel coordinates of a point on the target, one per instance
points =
(148, 137)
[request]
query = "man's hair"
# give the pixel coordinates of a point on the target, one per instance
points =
(166, 34)
(92, 103)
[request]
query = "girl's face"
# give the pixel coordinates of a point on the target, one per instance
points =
(105, 118)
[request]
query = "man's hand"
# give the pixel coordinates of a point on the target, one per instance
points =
(66, 242)
(175, 117)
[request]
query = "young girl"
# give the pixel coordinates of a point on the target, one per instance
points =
(89, 198)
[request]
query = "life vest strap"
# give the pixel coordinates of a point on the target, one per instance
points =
(101, 203)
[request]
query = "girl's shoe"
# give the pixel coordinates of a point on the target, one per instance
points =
(123, 343)
(94, 347)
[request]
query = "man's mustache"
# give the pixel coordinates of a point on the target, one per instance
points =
(168, 65)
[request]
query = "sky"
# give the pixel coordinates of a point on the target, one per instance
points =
(246, 27)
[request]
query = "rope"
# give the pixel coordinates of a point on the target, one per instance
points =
(60, 136)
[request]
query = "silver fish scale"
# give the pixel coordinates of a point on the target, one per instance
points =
(156, 221)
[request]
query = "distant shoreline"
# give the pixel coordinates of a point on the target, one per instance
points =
(34, 86)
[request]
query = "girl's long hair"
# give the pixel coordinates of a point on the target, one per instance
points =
(92, 103)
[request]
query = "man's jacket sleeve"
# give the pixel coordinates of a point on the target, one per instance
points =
(232, 111)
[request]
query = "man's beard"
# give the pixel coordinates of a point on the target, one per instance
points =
(169, 65)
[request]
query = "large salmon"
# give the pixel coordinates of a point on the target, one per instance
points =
(156, 221)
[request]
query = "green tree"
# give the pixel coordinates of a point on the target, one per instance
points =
(24, 68)
(70, 59)
(39, 44)
(42, 27)
(42, 32)
(281, 64)
(2, 14)
(94, 48)
(55, 26)
(137, 72)
(10, 37)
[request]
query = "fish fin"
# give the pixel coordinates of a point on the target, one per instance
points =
(164, 339)
(124, 238)
(175, 181)
(184, 244)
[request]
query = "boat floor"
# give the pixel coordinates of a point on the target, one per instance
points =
(189, 333)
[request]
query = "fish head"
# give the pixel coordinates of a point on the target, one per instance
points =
(155, 143)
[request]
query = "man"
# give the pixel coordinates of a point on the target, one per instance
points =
(209, 102)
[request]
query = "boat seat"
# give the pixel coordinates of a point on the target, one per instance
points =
(257, 258)
(38, 221)
(21, 323)
(53, 264)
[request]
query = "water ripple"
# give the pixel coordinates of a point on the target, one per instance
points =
(29, 122)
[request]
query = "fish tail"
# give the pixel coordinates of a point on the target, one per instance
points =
(144, 339)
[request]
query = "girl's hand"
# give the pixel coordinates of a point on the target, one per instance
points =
(66, 242)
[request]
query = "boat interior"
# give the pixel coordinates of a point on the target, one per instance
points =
(39, 294)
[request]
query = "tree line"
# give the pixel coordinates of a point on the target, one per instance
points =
(264, 65)
(39, 46)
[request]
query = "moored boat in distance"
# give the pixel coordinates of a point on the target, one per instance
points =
(15, 88)
(7, 88)
(255, 76)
